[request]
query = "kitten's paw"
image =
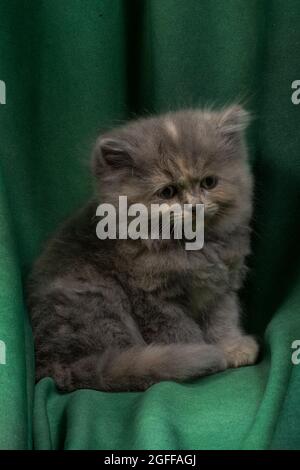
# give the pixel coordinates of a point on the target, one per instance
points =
(240, 351)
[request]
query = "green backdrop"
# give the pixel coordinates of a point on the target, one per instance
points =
(73, 67)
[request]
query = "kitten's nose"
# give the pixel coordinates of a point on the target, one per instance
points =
(191, 199)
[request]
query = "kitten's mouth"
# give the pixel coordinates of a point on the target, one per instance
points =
(177, 231)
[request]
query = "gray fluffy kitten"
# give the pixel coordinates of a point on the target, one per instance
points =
(121, 314)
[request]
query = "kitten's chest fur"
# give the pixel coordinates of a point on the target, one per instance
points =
(206, 279)
(194, 279)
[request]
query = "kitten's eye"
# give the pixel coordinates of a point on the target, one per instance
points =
(209, 182)
(168, 192)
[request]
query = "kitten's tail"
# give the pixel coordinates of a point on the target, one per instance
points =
(141, 366)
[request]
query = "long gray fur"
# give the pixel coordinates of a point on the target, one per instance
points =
(122, 315)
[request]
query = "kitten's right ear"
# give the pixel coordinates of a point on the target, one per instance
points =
(234, 120)
(112, 152)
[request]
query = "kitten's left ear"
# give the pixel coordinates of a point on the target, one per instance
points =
(233, 121)
(112, 152)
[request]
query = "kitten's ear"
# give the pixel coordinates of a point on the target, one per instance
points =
(233, 121)
(113, 152)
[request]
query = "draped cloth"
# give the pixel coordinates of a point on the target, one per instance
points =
(74, 67)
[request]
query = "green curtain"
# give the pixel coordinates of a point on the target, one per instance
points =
(74, 67)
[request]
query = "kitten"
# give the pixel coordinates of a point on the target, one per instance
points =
(124, 314)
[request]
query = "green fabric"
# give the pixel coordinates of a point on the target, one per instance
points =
(72, 67)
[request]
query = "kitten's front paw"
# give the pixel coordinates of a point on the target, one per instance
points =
(240, 351)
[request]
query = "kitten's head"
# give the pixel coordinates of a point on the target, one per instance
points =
(183, 157)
